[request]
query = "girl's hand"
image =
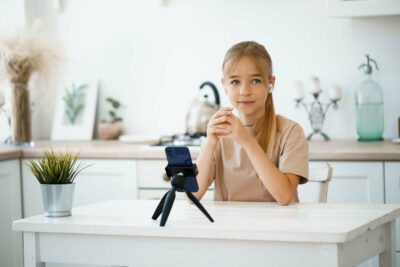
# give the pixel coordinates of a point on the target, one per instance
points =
(235, 129)
(216, 126)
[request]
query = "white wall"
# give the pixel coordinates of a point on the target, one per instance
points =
(154, 58)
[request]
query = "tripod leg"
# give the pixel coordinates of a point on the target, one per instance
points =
(159, 208)
(198, 204)
(169, 201)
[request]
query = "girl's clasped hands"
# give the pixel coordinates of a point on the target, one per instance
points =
(224, 124)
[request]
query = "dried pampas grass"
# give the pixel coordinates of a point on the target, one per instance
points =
(29, 51)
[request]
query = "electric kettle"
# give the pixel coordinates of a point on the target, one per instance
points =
(201, 110)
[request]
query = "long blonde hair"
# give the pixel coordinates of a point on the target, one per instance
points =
(268, 133)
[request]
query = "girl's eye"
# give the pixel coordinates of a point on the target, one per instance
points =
(235, 82)
(255, 81)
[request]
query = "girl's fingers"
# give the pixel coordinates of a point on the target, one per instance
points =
(219, 120)
(220, 131)
(223, 111)
(225, 108)
(222, 120)
(229, 119)
(221, 126)
(221, 114)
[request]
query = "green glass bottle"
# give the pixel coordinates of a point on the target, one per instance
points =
(369, 106)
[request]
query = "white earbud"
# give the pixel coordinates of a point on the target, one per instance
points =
(271, 87)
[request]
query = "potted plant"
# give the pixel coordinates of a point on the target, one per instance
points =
(56, 173)
(111, 129)
(72, 99)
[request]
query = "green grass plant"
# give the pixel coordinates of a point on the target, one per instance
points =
(56, 167)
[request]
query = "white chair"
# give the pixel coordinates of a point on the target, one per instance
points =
(316, 189)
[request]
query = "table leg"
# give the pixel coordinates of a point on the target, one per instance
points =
(388, 257)
(32, 250)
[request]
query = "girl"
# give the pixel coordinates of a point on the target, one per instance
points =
(258, 156)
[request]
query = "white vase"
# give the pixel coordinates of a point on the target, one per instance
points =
(21, 116)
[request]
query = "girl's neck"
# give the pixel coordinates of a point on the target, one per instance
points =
(251, 120)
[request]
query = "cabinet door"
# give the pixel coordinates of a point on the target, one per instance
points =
(104, 180)
(392, 189)
(355, 182)
(151, 174)
(10, 210)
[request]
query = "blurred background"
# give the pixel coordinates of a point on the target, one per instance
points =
(152, 55)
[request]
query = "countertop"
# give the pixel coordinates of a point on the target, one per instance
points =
(334, 150)
(7, 152)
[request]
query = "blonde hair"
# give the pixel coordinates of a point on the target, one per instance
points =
(268, 133)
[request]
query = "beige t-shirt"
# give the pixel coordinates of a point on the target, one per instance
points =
(235, 177)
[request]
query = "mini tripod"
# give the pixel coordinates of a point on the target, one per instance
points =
(178, 175)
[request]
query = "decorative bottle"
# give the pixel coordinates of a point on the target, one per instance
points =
(369, 106)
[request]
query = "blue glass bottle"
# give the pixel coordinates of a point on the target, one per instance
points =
(369, 106)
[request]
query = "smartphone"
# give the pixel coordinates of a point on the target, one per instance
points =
(180, 156)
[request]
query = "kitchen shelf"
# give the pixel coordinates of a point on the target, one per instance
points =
(363, 8)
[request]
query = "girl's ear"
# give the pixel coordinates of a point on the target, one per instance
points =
(272, 80)
(223, 84)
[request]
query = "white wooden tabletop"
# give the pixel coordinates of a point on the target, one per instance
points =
(305, 222)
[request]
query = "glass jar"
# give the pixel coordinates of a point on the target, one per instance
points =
(20, 115)
(369, 108)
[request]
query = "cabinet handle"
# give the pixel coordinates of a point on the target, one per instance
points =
(166, 178)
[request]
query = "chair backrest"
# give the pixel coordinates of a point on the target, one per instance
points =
(316, 190)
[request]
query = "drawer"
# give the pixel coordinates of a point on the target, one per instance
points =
(151, 174)
(159, 193)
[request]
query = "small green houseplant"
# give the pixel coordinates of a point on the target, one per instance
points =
(111, 129)
(56, 172)
(73, 101)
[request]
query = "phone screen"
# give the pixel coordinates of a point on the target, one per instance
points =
(180, 156)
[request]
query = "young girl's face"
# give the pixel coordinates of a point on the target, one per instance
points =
(247, 88)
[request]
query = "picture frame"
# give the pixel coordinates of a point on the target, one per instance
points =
(75, 111)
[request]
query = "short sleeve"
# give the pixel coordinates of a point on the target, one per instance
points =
(294, 154)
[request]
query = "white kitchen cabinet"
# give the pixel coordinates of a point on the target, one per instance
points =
(392, 190)
(104, 180)
(363, 8)
(356, 182)
(153, 182)
(10, 210)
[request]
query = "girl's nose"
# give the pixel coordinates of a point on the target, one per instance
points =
(245, 89)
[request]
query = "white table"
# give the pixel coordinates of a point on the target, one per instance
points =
(122, 233)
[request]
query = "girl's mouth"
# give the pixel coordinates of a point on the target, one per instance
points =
(246, 103)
